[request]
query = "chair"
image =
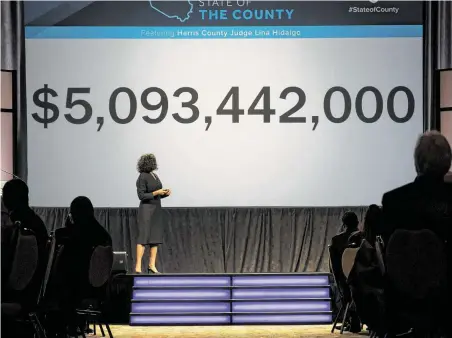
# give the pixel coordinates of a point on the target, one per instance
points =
(54, 279)
(367, 286)
(338, 290)
(416, 269)
(348, 260)
(100, 268)
(346, 300)
(51, 247)
(379, 250)
(24, 268)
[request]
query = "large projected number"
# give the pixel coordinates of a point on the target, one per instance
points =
(163, 105)
(266, 112)
(359, 104)
(235, 112)
(50, 110)
(287, 116)
(188, 104)
(112, 105)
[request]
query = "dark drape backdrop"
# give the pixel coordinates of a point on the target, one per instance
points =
(13, 58)
(437, 54)
(210, 240)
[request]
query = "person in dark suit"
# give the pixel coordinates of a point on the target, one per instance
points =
(15, 199)
(425, 203)
(150, 221)
(338, 245)
(340, 242)
(80, 236)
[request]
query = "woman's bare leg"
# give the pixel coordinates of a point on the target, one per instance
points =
(140, 252)
(153, 257)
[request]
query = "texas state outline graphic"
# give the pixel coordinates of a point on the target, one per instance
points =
(155, 6)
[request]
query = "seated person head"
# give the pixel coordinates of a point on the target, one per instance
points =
(81, 209)
(372, 223)
(350, 221)
(15, 195)
(432, 155)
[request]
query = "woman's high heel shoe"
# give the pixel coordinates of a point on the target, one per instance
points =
(152, 271)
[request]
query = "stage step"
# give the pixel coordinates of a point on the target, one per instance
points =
(231, 299)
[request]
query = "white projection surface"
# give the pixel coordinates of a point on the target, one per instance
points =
(251, 163)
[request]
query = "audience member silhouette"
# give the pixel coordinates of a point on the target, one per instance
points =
(425, 203)
(371, 228)
(338, 245)
(15, 199)
(7, 244)
(81, 234)
(340, 242)
(372, 223)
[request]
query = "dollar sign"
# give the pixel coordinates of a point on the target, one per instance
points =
(46, 105)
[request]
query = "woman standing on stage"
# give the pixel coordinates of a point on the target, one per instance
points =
(150, 227)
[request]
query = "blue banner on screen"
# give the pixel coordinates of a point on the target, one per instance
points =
(275, 32)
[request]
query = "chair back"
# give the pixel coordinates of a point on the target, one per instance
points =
(379, 250)
(25, 261)
(336, 274)
(416, 274)
(100, 266)
(51, 246)
(416, 264)
(348, 260)
(339, 279)
(53, 277)
(367, 285)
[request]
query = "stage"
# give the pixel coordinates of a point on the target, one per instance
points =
(221, 299)
(285, 331)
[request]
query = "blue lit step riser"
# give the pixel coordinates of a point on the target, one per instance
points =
(227, 294)
(164, 281)
(229, 300)
(287, 319)
(263, 319)
(234, 307)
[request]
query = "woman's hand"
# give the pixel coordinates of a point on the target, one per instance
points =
(160, 192)
(168, 192)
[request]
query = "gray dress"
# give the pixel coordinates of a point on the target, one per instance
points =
(150, 220)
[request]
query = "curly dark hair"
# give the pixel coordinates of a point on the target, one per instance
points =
(432, 155)
(147, 163)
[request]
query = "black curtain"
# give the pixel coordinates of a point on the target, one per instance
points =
(13, 58)
(437, 54)
(211, 240)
